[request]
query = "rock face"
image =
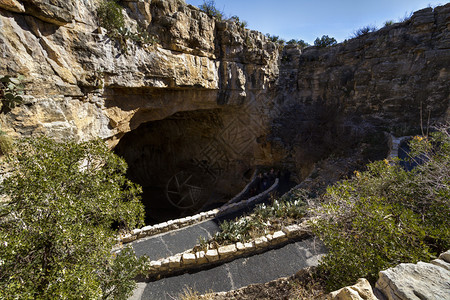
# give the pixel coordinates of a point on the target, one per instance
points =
(417, 281)
(228, 98)
(360, 291)
(387, 80)
(206, 83)
(77, 65)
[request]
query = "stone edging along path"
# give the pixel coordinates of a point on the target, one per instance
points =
(190, 260)
(228, 208)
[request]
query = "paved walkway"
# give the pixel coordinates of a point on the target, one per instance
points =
(260, 268)
(173, 242)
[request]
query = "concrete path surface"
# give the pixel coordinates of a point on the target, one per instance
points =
(173, 242)
(241, 272)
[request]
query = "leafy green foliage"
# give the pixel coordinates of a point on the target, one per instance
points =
(325, 41)
(386, 215)
(209, 7)
(118, 273)
(65, 204)
(111, 17)
(300, 43)
(388, 23)
(272, 38)
(276, 39)
(242, 24)
(11, 90)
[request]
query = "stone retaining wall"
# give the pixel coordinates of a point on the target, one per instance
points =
(190, 260)
(200, 217)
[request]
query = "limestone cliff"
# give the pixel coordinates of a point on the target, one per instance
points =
(214, 98)
(80, 83)
(337, 98)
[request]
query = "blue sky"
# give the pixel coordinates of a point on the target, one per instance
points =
(308, 19)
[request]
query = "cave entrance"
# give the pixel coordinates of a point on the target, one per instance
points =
(178, 166)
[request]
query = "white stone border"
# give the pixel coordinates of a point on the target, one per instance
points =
(228, 208)
(189, 259)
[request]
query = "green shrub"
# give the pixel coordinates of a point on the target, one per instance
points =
(209, 7)
(388, 23)
(57, 229)
(363, 31)
(386, 215)
(240, 24)
(111, 17)
(300, 43)
(272, 38)
(276, 39)
(11, 90)
(325, 41)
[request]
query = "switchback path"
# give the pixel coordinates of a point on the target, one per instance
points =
(238, 273)
(260, 268)
(173, 242)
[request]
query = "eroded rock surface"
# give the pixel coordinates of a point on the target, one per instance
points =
(69, 62)
(274, 106)
(417, 281)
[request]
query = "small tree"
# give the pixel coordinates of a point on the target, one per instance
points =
(300, 43)
(65, 204)
(209, 7)
(325, 41)
(111, 17)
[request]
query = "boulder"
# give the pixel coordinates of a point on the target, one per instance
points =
(360, 291)
(12, 5)
(415, 281)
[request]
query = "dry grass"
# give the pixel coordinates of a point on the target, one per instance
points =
(6, 144)
(190, 294)
(306, 284)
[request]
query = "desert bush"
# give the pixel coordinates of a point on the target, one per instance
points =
(325, 41)
(300, 43)
(363, 31)
(292, 42)
(11, 91)
(272, 38)
(388, 23)
(65, 204)
(387, 215)
(209, 7)
(111, 17)
(242, 24)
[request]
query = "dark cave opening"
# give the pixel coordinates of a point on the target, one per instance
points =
(170, 159)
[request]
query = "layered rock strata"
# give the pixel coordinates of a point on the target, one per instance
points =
(213, 97)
